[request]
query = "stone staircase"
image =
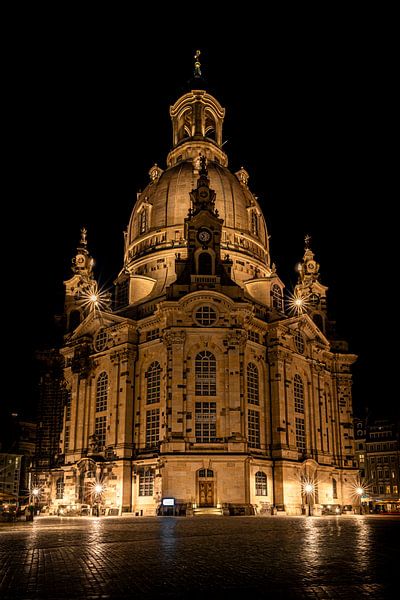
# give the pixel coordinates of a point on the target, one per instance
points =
(207, 511)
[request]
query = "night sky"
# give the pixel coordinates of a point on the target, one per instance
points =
(310, 116)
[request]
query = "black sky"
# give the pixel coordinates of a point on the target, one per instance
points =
(310, 114)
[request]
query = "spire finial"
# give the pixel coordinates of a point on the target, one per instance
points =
(83, 241)
(197, 64)
(307, 242)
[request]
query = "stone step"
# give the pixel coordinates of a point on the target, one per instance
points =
(207, 511)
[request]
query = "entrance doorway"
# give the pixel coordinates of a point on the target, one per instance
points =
(206, 487)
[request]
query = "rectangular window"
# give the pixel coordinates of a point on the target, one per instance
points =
(146, 483)
(154, 334)
(101, 430)
(261, 484)
(152, 427)
(380, 474)
(381, 488)
(254, 337)
(300, 435)
(361, 457)
(66, 438)
(253, 429)
(386, 473)
(395, 489)
(206, 421)
(387, 489)
(374, 489)
(393, 474)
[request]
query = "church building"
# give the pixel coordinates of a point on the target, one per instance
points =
(201, 387)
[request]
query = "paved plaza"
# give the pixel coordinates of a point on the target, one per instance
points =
(200, 557)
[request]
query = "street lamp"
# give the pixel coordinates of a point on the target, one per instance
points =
(309, 490)
(360, 492)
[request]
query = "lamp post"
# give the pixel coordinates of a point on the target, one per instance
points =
(309, 491)
(360, 492)
(98, 491)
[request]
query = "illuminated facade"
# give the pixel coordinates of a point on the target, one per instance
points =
(202, 385)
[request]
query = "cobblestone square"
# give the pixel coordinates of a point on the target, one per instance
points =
(200, 557)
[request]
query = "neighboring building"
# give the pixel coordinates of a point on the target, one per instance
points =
(378, 457)
(360, 448)
(52, 400)
(25, 445)
(202, 388)
(10, 474)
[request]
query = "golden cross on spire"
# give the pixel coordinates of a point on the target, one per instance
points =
(197, 64)
(307, 241)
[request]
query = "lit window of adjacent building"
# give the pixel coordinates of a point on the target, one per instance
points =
(146, 483)
(277, 300)
(387, 489)
(60, 488)
(393, 474)
(205, 374)
(152, 427)
(101, 430)
(334, 488)
(300, 435)
(101, 392)
(298, 388)
(253, 429)
(252, 384)
(206, 422)
(395, 489)
(261, 484)
(361, 457)
(153, 378)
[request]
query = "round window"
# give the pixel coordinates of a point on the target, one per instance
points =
(101, 340)
(206, 316)
(299, 341)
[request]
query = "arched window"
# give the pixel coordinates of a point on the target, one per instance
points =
(334, 488)
(277, 301)
(102, 392)
(210, 128)
(153, 377)
(254, 223)
(298, 390)
(205, 264)
(253, 396)
(261, 484)
(206, 374)
(143, 221)
(60, 488)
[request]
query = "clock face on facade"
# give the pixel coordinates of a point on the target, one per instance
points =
(204, 236)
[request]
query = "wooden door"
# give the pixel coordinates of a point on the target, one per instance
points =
(206, 493)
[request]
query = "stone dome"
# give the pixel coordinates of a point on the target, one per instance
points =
(155, 233)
